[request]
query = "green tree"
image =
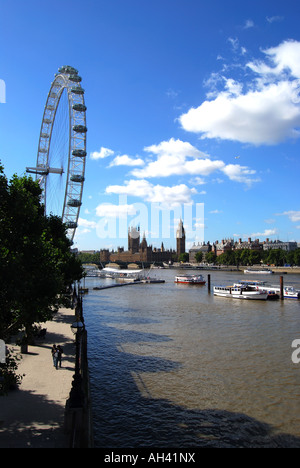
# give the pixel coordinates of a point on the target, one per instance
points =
(199, 257)
(275, 257)
(184, 257)
(85, 257)
(254, 257)
(36, 264)
(210, 257)
(296, 257)
(226, 258)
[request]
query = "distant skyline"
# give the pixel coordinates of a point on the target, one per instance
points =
(193, 112)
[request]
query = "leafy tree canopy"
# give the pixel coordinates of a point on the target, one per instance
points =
(36, 263)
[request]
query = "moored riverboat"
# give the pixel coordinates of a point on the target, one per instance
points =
(190, 279)
(289, 292)
(258, 271)
(258, 285)
(240, 292)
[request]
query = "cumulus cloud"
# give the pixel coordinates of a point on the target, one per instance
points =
(87, 224)
(103, 153)
(126, 160)
(274, 19)
(293, 216)
(265, 233)
(169, 196)
(239, 173)
(283, 58)
(263, 111)
(176, 157)
(249, 24)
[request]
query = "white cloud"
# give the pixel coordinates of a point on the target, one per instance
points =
(126, 160)
(263, 111)
(176, 157)
(283, 58)
(249, 24)
(294, 216)
(103, 153)
(169, 196)
(197, 181)
(234, 43)
(87, 224)
(239, 173)
(274, 19)
(265, 233)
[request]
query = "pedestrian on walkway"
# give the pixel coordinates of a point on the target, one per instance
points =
(59, 352)
(54, 355)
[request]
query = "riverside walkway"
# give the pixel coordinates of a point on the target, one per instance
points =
(33, 415)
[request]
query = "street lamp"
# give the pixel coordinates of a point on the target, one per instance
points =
(76, 394)
(77, 327)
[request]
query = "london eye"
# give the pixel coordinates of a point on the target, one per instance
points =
(61, 156)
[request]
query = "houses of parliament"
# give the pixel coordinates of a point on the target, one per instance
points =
(140, 251)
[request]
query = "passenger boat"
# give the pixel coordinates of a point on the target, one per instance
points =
(289, 292)
(240, 292)
(258, 285)
(190, 279)
(259, 271)
(125, 275)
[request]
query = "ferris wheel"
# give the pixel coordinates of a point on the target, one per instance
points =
(61, 156)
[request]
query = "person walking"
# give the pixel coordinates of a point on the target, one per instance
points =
(54, 355)
(59, 354)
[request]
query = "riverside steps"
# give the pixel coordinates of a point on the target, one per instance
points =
(41, 412)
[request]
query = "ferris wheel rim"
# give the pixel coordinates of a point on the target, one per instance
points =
(67, 79)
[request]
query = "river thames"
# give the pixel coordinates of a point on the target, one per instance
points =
(174, 366)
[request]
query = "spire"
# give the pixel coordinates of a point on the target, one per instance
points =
(180, 230)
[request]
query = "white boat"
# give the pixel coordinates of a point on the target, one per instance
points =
(253, 283)
(258, 285)
(240, 292)
(109, 272)
(190, 279)
(289, 292)
(260, 271)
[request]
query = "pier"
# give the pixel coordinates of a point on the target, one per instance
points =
(116, 285)
(129, 283)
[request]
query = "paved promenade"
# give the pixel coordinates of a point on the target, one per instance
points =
(33, 415)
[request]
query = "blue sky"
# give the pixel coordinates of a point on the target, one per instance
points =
(193, 109)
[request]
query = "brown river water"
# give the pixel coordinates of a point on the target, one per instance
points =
(174, 366)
